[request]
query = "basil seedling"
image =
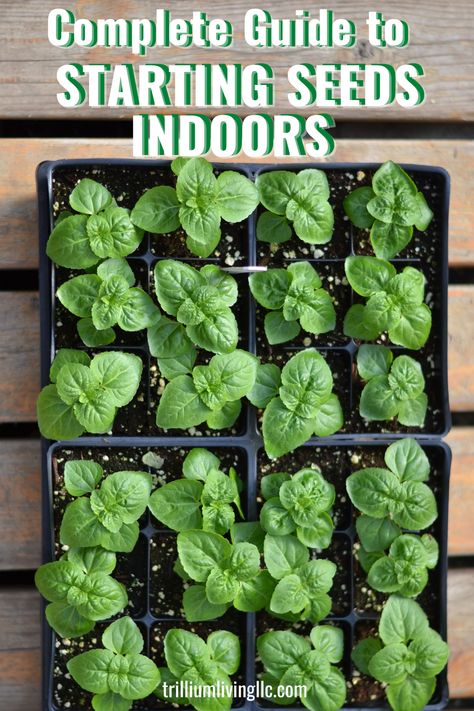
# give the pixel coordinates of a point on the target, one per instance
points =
(295, 299)
(228, 574)
(211, 394)
(395, 387)
(85, 393)
(100, 231)
(301, 406)
(291, 660)
(390, 209)
(303, 584)
(300, 199)
(406, 657)
(298, 504)
(79, 593)
(405, 569)
(104, 515)
(198, 204)
(105, 299)
(394, 303)
(203, 499)
(206, 664)
(201, 301)
(118, 674)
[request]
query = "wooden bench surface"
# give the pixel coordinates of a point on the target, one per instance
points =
(440, 40)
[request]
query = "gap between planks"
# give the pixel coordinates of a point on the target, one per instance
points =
(20, 487)
(20, 353)
(20, 644)
(19, 159)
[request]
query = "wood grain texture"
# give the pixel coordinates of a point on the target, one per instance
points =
(19, 355)
(19, 158)
(461, 495)
(460, 358)
(440, 40)
(20, 499)
(20, 656)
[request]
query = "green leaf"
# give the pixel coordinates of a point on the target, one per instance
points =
(413, 329)
(431, 654)
(69, 246)
(317, 313)
(284, 555)
(168, 339)
(157, 210)
(119, 374)
(235, 373)
(270, 288)
(381, 311)
(89, 197)
(367, 559)
(249, 531)
(425, 214)
(102, 598)
(412, 412)
(66, 620)
(116, 267)
(276, 188)
(110, 702)
(283, 430)
(278, 329)
(123, 637)
(91, 670)
(224, 648)
(266, 385)
(93, 337)
(112, 233)
(273, 228)
(236, 196)
(183, 651)
(306, 382)
(306, 495)
(363, 653)
(56, 419)
(218, 332)
(80, 526)
(319, 534)
(328, 640)
(376, 534)
(174, 282)
(406, 378)
(93, 560)
(408, 286)
(329, 417)
(431, 549)
(79, 293)
(178, 504)
(197, 607)
(253, 595)
(225, 417)
(407, 459)
(383, 575)
(411, 695)
(389, 664)
(275, 519)
(138, 311)
(198, 463)
(376, 492)
(401, 620)
(377, 400)
(388, 239)
(280, 650)
(368, 275)
(328, 693)
(373, 360)
(419, 507)
(222, 281)
(81, 476)
(271, 483)
(133, 676)
(124, 540)
(313, 219)
(201, 551)
(289, 595)
(356, 325)
(355, 207)
(127, 492)
(64, 356)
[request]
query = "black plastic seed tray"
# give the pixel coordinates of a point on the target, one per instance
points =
(153, 587)
(428, 251)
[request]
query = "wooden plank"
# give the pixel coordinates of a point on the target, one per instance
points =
(20, 650)
(461, 495)
(19, 356)
(461, 632)
(19, 353)
(20, 546)
(440, 36)
(20, 511)
(19, 159)
(20, 657)
(461, 359)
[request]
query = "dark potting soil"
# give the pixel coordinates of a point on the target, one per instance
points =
(127, 184)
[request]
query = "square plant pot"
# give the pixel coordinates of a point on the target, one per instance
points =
(155, 590)
(127, 179)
